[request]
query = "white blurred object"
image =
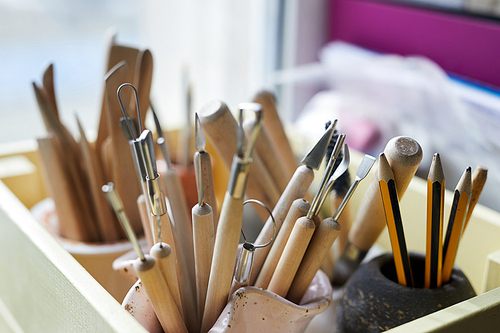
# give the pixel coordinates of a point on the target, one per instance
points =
(394, 95)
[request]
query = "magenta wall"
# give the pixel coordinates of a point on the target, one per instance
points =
(460, 44)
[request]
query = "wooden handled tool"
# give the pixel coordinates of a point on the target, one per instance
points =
(404, 155)
(203, 238)
(149, 272)
(320, 244)
(228, 231)
(456, 222)
(143, 205)
(48, 87)
(299, 208)
(203, 171)
(142, 80)
(274, 129)
(292, 256)
(296, 188)
(221, 128)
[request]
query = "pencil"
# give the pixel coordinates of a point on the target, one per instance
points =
(458, 212)
(434, 248)
(478, 180)
(394, 222)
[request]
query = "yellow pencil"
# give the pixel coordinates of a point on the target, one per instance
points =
(434, 248)
(458, 212)
(394, 222)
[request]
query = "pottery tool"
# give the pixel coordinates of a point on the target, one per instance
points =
(184, 142)
(148, 271)
(461, 199)
(434, 239)
(75, 175)
(107, 224)
(123, 170)
(269, 157)
(221, 129)
(203, 239)
(228, 231)
(178, 206)
(326, 233)
(203, 170)
(154, 187)
(337, 195)
(394, 223)
(274, 129)
(478, 180)
(142, 80)
(302, 232)
(296, 188)
(244, 265)
(299, 208)
(404, 155)
(162, 252)
(115, 54)
(144, 212)
(48, 87)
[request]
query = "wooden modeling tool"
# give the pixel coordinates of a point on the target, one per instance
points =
(394, 223)
(244, 265)
(461, 199)
(221, 128)
(434, 239)
(404, 155)
(269, 157)
(154, 187)
(108, 226)
(296, 188)
(228, 231)
(203, 170)
(302, 232)
(478, 180)
(142, 80)
(276, 133)
(149, 272)
(48, 87)
(178, 206)
(184, 142)
(162, 252)
(203, 238)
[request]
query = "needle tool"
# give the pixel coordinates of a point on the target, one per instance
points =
(461, 199)
(434, 241)
(244, 265)
(203, 170)
(148, 271)
(327, 232)
(154, 187)
(203, 233)
(302, 233)
(228, 231)
(394, 223)
(478, 180)
(404, 155)
(297, 188)
(178, 205)
(162, 252)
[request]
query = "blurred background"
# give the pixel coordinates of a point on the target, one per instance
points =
(424, 68)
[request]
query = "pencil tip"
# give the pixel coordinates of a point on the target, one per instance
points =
(465, 183)
(436, 173)
(384, 169)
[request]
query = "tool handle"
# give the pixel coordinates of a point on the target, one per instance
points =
(224, 258)
(296, 188)
(299, 208)
(292, 256)
(274, 127)
(146, 221)
(203, 236)
(320, 245)
(159, 295)
(404, 155)
(162, 252)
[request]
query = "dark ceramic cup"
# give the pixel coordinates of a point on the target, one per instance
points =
(373, 301)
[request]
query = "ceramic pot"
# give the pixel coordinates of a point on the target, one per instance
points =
(373, 301)
(250, 309)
